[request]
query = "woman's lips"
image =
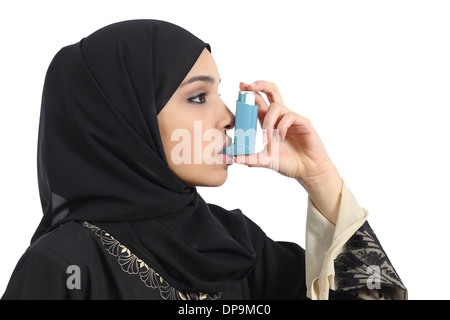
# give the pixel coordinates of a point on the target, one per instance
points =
(225, 145)
(226, 158)
(224, 153)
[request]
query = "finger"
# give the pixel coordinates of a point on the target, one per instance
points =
(243, 86)
(286, 121)
(270, 119)
(269, 88)
(267, 158)
(254, 160)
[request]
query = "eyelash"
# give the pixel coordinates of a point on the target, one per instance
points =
(201, 96)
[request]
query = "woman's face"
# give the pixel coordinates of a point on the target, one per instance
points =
(193, 127)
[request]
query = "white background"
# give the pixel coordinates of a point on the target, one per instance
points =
(372, 76)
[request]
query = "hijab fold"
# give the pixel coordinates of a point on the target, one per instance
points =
(100, 156)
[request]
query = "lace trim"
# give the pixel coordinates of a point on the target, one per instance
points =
(131, 264)
(364, 270)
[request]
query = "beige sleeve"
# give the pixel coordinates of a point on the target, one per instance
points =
(324, 242)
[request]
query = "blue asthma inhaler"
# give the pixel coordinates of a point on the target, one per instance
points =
(245, 126)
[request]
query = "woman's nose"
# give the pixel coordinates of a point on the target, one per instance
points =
(229, 119)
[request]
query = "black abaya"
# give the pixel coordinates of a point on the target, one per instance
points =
(108, 270)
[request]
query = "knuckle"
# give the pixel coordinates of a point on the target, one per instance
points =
(290, 114)
(307, 120)
(277, 105)
(276, 108)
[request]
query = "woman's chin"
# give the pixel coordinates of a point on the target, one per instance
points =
(216, 180)
(212, 178)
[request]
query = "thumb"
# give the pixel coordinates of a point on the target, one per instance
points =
(267, 158)
(254, 160)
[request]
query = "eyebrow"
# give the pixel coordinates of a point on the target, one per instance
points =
(199, 78)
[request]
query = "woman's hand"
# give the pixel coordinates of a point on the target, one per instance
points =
(294, 149)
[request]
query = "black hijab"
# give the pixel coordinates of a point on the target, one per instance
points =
(101, 159)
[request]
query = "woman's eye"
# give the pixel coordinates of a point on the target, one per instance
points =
(199, 99)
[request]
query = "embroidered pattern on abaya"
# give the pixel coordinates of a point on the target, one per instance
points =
(133, 265)
(364, 264)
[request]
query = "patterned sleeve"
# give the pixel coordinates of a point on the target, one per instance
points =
(347, 260)
(364, 270)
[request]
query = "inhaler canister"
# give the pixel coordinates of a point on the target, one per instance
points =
(245, 125)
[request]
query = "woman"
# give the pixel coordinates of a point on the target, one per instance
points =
(122, 216)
